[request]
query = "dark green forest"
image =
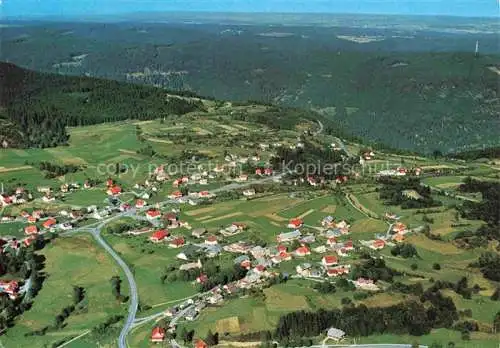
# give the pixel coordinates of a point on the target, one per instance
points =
(37, 107)
(415, 90)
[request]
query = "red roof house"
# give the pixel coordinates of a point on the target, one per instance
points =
(140, 203)
(200, 344)
(378, 244)
(282, 248)
(159, 236)
(114, 190)
(27, 241)
(153, 214)
(49, 223)
(295, 223)
(32, 229)
(303, 251)
(331, 241)
(211, 240)
(158, 335)
(329, 260)
(348, 245)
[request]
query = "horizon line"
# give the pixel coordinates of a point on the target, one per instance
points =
(83, 17)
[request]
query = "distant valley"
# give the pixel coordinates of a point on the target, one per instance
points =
(408, 86)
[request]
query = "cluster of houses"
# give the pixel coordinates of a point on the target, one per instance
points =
(400, 171)
(18, 197)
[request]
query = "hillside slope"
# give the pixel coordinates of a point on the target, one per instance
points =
(36, 107)
(409, 88)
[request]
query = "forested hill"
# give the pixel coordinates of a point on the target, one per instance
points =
(36, 108)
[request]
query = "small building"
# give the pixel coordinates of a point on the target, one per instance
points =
(159, 236)
(249, 192)
(295, 223)
(329, 260)
(153, 214)
(49, 223)
(211, 240)
(377, 244)
(302, 251)
(335, 334)
(199, 343)
(288, 236)
(177, 242)
(140, 203)
(331, 241)
(158, 335)
(30, 230)
(114, 190)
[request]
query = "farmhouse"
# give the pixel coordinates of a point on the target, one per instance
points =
(28, 240)
(302, 251)
(295, 223)
(140, 203)
(238, 247)
(335, 334)
(49, 223)
(200, 344)
(411, 194)
(399, 228)
(158, 335)
(328, 221)
(114, 190)
(366, 284)
(177, 242)
(329, 260)
(249, 192)
(331, 241)
(282, 256)
(288, 236)
(153, 214)
(192, 265)
(32, 229)
(159, 236)
(175, 195)
(377, 244)
(211, 240)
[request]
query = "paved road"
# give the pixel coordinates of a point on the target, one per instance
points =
(134, 297)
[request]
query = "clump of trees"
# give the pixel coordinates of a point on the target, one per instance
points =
(375, 269)
(414, 318)
(116, 283)
(392, 189)
(405, 250)
(489, 264)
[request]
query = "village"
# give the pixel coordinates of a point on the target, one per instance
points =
(323, 252)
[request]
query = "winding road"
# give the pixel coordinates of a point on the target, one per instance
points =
(134, 297)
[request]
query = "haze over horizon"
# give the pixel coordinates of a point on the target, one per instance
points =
(25, 9)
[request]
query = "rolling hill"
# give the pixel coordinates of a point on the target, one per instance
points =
(410, 86)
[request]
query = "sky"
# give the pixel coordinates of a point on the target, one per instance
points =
(72, 8)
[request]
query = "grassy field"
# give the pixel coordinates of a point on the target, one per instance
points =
(69, 261)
